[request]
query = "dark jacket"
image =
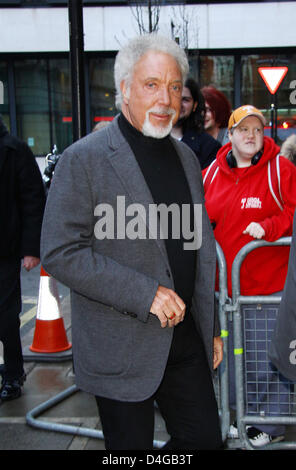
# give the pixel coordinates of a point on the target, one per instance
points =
(22, 198)
(203, 145)
(282, 350)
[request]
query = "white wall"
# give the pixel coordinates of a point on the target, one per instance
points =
(252, 25)
(107, 28)
(33, 29)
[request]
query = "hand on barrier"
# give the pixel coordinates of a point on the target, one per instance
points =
(254, 230)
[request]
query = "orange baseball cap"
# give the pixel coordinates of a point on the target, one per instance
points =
(241, 113)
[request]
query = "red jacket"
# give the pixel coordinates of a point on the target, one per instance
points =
(239, 196)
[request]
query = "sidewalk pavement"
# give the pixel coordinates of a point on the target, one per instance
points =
(45, 381)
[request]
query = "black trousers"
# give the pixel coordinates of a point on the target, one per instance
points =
(185, 398)
(10, 308)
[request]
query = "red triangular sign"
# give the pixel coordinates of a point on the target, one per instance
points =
(273, 77)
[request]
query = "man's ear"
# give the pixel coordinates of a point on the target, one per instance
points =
(124, 91)
(194, 106)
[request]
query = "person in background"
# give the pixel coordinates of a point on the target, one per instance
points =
(22, 200)
(242, 207)
(190, 126)
(144, 327)
(218, 110)
(288, 148)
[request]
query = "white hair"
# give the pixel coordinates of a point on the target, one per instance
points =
(130, 54)
(157, 132)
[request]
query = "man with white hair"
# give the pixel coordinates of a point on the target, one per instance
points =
(143, 322)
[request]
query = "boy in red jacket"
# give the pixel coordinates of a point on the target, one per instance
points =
(250, 194)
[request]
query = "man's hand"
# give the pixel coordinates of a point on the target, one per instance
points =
(217, 351)
(168, 307)
(254, 230)
(30, 262)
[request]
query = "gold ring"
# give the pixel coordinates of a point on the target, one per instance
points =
(173, 316)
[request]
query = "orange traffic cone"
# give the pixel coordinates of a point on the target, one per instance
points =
(50, 335)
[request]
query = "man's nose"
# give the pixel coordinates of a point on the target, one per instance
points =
(164, 96)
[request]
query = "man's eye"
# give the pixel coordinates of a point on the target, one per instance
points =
(177, 89)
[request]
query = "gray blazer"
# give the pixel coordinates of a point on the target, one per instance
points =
(119, 349)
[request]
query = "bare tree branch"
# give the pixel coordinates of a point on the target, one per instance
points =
(182, 24)
(147, 16)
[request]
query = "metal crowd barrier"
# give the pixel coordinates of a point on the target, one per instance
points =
(268, 401)
(221, 383)
(230, 310)
(31, 419)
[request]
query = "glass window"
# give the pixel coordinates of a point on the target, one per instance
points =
(102, 89)
(254, 91)
(218, 71)
(4, 105)
(193, 60)
(32, 104)
(60, 104)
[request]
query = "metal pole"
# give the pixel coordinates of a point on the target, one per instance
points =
(223, 369)
(272, 117)
(275, 118)
(75, 11)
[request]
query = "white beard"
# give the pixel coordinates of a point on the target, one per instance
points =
(157, 132)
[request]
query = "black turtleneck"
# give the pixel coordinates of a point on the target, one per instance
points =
(166, 179)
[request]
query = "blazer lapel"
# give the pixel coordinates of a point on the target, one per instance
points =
(191, 175)
(194, 185)
(128, 171)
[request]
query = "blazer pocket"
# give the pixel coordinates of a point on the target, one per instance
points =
(107, 347)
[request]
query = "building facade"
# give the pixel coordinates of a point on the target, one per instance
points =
(226, 43)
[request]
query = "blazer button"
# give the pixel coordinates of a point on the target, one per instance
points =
(168, 273)
(131, 314)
